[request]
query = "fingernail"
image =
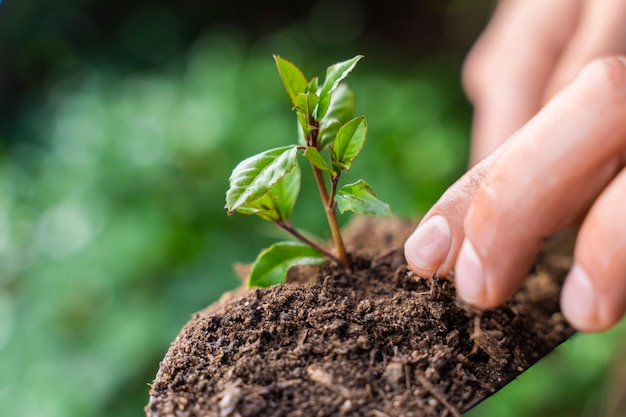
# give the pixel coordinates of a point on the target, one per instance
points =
(469, 275)
(579, 301)
(429, 245)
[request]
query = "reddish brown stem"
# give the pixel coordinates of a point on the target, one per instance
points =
(334, 181)
(331, 215)
(292, 231)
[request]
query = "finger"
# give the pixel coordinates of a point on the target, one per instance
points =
(507, 71)
(433, 246)
(546, 178)
(594, 294)
(600, 32)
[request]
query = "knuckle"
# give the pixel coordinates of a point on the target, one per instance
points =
(470, 78)
(458, 197)
(476, 70)
(473, 180)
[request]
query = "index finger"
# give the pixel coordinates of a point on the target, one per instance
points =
(543, 181)
(537, 182)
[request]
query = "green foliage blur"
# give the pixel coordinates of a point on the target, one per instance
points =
(113, 232)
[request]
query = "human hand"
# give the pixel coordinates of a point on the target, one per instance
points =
(565, 165)
(529, 51)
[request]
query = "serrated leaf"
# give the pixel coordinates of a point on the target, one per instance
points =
(294, 81)
(316, 158)
(279, 201)
(360, 198)
(349, 141)
(338, 72)
(334, 75)
(253, 177)
(271, 266)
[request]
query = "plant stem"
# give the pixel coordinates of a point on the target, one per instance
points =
(331, 215)
(292, 231)
(334, 181)
(328, 201)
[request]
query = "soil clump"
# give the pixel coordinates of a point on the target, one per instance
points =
(375, 341)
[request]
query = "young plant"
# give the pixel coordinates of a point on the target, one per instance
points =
(267, 184)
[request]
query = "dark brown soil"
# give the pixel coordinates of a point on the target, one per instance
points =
(377, 341)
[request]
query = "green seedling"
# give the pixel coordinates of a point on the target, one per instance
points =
(267, 184)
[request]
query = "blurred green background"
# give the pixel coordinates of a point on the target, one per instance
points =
(119, 125)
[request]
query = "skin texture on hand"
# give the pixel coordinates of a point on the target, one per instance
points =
(529, 51)
(566, 165)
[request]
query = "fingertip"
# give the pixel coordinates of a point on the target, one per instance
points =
(581, 304)
(578, 300)
(603, 77)
(470, 277)
(428, 246)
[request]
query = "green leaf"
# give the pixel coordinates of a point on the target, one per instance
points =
(285, 193)
(342, 105)
(300, 133)
(312, 88)
(306, 102)
(313, 155)
(260, 209)
(302, 111)
(253, 177)
(271, 266)
(334, 75)
(349, 141)
(312, 100)
(279, 201)
(293, 79)
(360, 198)
(328, 132)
